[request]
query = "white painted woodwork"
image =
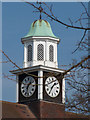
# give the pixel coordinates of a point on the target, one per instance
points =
(40, 85)
(63, 90)
(17, 89)
(46, 43)
(36, 68)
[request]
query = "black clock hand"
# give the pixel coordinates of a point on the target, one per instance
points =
(28, 86)
(52, 87)
(50, 82)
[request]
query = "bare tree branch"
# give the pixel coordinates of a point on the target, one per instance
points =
(17, 65)
(85, 9)
(6, 76)
(80, 41)
(4, 61)
(76, 65)
(57, 20)
(71, 21)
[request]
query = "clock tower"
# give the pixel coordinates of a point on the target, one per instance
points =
(38, 79)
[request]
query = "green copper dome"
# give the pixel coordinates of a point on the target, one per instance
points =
(40, 28)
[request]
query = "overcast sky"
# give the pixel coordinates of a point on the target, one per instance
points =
(16, 21)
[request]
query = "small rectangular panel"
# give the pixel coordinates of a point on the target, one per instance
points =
(57, 99)
(23, 99)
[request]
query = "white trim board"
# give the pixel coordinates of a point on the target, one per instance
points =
(38, 38)
(36, 68)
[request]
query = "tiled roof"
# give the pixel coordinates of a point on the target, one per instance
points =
(15, 110)
(38, 109)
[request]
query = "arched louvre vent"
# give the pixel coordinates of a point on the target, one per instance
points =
(29, 57)
(51, 53)
(40, 52)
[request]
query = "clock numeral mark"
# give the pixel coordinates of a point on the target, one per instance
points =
(23, 91)
(49, 80)
(32, 89)
(32, 81)
(52, 79)
(27, 94)
(46, 85)
(47, 89)
(56, 91)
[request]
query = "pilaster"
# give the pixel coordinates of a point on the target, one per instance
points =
(63, 90)
(17, 89)
(40, 85)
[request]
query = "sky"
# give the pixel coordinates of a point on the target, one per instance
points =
(16, 20)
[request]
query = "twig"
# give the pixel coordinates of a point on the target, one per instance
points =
(17, 65)
(80, 42)
(76, 65)
(71, 21)
(50, 9)
(57, 20)
(85, 9)
(5, 76)
(4, 61)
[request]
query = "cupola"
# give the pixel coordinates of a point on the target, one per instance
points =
(39, 80)
(40, 45)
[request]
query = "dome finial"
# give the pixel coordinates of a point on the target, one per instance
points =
(40, 10)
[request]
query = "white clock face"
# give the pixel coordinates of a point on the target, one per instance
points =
(52, 86)
(28, 86)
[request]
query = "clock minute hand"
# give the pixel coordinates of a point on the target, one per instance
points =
(50, 82)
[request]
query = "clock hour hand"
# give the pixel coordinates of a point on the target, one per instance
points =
(28, 86)
(52, 87)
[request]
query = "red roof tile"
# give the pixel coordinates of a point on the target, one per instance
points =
(38, 109)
